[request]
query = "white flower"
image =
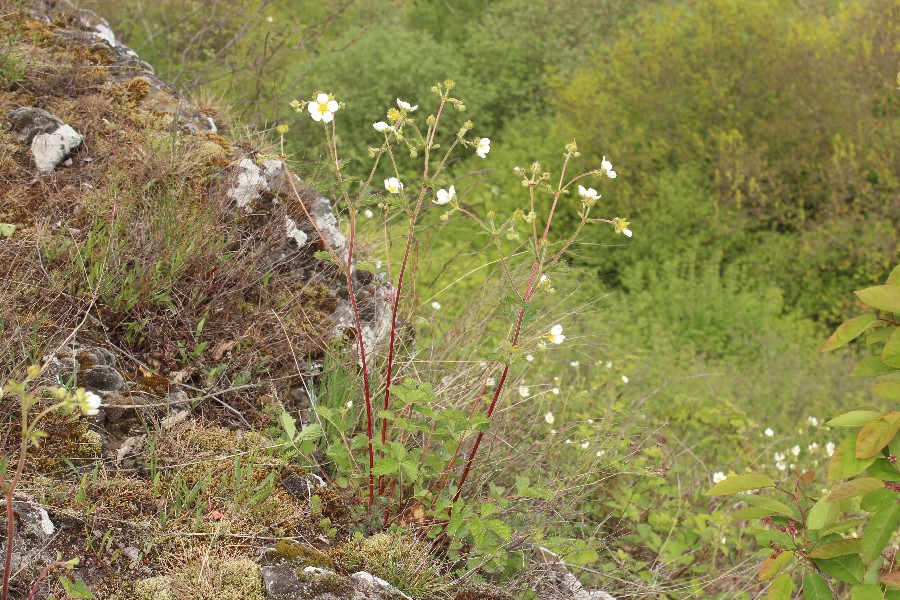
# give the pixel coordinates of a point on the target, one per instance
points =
(436, 305)
(813, 447)
(590, 421)
(549, 418)
(490, 382)
(556, 334)
(814, 422)
(719, 476)
(524, 391)
(323, 108)
(585, 444)
(829, 448)
(406, 105)
(588, 193)
(568, 441)
(574, 363)
(92, 404)
(607, 166)
(600, 453)
(608, 365)
(555, 391)
(393, 185)
(529, 358)
(778, 456)
(552, 432)
(445, 196)
(724, 540)
(780, 466)
(269, 19)
(349, 403)
(768, 432)
(542, 345)
(381, 126)
(544, 280)
(795, 450)
(483, 147)
(624, 378)
(368, 213)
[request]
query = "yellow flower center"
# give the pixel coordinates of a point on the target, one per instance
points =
(323, 107)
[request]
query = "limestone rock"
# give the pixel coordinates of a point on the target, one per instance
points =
(52, 141)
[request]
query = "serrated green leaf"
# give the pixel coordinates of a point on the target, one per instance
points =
(881, 297)
(781, 587)
(311, 432)
(410, 470)
(504, 531)
(386, 466)
(837, 548)
(740, 483)
(877, 434)
(849, 331)
(844, 464)
(855, 487)
(854, 418)
(773, 565)
(872, 367)
(848, 568)
(289, 424)
(815, 587)
(881, 527)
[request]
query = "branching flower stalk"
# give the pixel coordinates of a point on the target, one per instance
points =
(64, 401)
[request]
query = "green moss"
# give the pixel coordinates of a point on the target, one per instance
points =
(154, 588)
(323, 583)
(303, 556)
(240, 580)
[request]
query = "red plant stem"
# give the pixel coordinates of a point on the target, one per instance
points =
(529, 291)
(10, 517)
(42, 575)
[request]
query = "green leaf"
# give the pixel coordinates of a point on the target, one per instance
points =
(311, 432)
(288, 423)
(866, 591)
(844, 464)
(849, 331)
(504, 532)
(876, 435)
(740, 483)
(875, 501)
(772, 505)
(386, 466)
(855, 487)
(881, 527)
(76, 589)
(749, 513)
(815, 587)
(837, 548)
(884, 470)
(879, 335)
(890, 355)
(881, 297)
(854, 418)
(887, 389)
(774, 564)
(894, 277)
(821, 514)
(410, 469)
(781, 588)
(845, 525)
(849, 568)
(872, 367)
(7, 229)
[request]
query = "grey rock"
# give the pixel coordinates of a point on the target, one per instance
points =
(281, 582)
(50, 149)
(34, 531)
(303, 487)
(248, 184)
(27, 122)
(102, 378)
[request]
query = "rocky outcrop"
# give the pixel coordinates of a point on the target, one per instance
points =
(51, 140)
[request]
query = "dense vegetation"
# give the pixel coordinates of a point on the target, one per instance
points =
(758, 158)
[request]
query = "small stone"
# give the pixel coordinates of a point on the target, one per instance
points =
(102, 378)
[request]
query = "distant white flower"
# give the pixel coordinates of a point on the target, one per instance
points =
(393, 185)
(368, 213)
(555, 391)
(585, 444)
(544, 280)
(524, 391)
(624, 378)
(778, 456)
(719, 476)
(436, 305)
(600, 453)
(269, 19)
(323, 108)
(795, 450)
(780, 466)
(829, 448)
(552, 432)
(445, 196)
(588, 193)
(490, 382)
(574, 363)
(590, 421)
(607, 167)
(568, 441)
(483, 147)
(768, 432)
(92, 404)
(549, 418)
(608, 365)
(724, 540)
(349, 403)
(813, 447)
(542, 345)
(556, 334)
(381, 126)
(406, 105)
(814, 422)
(529, 357)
